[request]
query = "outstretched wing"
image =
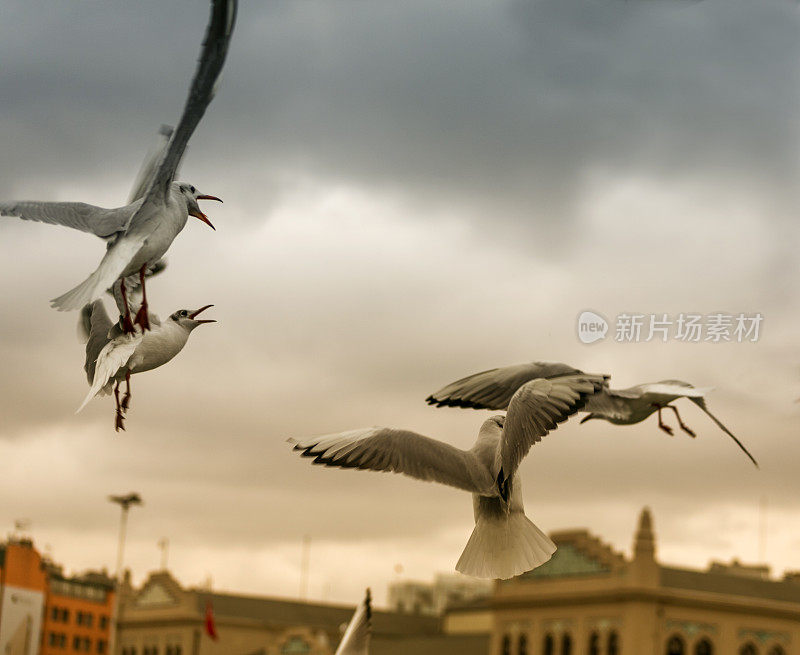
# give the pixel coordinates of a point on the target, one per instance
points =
(94, 324)
(493, 389)
(152, 161)
(114, 355)
(99, 221)
(701, 403)
(356, 638)
(398, 451)
(212, 57)
(536, 408)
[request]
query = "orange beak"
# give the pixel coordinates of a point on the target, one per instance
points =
(202, 309)
(201, 215)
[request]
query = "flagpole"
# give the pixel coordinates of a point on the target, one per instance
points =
(125, 503)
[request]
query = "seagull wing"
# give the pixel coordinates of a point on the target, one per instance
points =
(152, 161)
(114, 355)
(399, 451)
(494, 388)
(537, 408)
(701, 403)
(356, 638)
(101, 222)
(212, 57)
(95, 324)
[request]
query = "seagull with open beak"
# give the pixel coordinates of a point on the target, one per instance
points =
(113, 355)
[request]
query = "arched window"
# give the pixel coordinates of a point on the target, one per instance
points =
(566, 644)
(777, 650)
(506, 647)
(704, 647)
(748, 649)
(594, 644)
(549, 645)
(522, 645)
(676, 646)
(613, 643)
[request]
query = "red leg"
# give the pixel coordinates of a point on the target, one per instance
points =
(118, 425)
(684, 427)
(661, 424)
(127, 324)
(126, 399)
(142, 317)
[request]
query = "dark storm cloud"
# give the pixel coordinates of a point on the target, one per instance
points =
(507, 105)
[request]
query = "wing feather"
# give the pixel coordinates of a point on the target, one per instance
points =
(493, 389)
(99, 221)
(537, 408)
(398, 451)
(357, 635)
(114, 355)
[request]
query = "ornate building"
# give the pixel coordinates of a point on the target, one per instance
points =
(590, 600)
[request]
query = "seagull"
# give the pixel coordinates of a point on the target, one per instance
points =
(141, 232)
(504, 542)
(113, 355)
(635, 404)
(493, 389)
(356, 637)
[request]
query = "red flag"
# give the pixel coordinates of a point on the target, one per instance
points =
(211, 629)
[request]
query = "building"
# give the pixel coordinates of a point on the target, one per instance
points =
(446, 590)
(44, 612)
(591, 599)
(163, 618)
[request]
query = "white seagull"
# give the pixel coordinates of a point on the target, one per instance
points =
(113, 355)
(357, 635)
(139, 233)
(504, 542)
(493, 389)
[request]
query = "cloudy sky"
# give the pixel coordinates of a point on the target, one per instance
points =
(413, 192)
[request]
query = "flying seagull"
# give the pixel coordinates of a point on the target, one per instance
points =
(493, 389)
(139, 233)
(504, 542)
(356, 637)
(113, 355)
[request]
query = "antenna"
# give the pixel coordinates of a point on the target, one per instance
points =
(163, 545)
(762, 530)
(304, 566)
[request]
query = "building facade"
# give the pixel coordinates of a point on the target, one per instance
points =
(433, 598)
(589, 599)
(43, 612)
(163, 618)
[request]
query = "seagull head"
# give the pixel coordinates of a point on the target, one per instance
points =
(186, 318)
(192, 195)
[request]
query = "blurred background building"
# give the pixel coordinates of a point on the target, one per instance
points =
(44, 612)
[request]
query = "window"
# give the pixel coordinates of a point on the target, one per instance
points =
(65, 615)
(101, 646)
(76, 643)
(103, 621)
(748, 649)
(522, 645)
(549, 645)
(88, 619)
(62, 641)
(505, 649)
(566, 644)
(52, 639)
(675, 645)
(79, 617)
(777, 650)
(54, 613)
(704, 647)
(594, 644)
(613, 643)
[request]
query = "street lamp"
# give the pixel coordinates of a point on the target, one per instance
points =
(125, 503)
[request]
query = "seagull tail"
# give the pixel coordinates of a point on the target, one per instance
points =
(502, 546)
(117, 257)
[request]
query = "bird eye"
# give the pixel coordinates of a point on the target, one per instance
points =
(183, 312)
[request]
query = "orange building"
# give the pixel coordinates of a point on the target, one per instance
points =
(61, 615)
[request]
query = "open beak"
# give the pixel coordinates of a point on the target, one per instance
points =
(202, 217)
(197, 311)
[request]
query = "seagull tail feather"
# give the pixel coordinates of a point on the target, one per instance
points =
(502, 546)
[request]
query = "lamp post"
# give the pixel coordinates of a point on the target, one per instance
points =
(125, 503)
